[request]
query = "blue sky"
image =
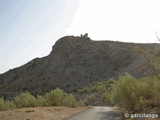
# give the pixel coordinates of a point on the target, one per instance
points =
(29, 28)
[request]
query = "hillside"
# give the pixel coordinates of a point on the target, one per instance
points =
(75, 62)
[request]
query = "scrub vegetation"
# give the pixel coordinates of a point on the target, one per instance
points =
(127, 92)
(136, 94)
(55, 97)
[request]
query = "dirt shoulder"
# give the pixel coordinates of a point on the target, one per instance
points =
(40, 113)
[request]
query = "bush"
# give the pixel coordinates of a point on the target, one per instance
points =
(81, 103)
(25, 100)
(70, 101)
(96, 87)
(109, 83)
(106, 98)
(2, 104)
(55, 97)
(59, 98)
(40, 101)
(5, 105)
(9, 105)
(85, 90)
(89, 99)
(136, 94)
(101, 89)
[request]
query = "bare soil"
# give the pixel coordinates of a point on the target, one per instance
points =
(40, 113)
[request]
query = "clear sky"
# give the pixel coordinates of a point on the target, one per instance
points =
(29, 28)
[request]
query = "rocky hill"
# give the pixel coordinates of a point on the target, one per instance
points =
(75, 62)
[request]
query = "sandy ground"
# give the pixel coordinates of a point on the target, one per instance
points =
(40, 113)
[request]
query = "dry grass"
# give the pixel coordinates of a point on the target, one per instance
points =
(40, 113)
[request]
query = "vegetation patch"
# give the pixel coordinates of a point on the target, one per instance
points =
(55, 97)
(136, 94)
(129, 93)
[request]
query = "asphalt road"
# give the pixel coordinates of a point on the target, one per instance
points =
(98, 113)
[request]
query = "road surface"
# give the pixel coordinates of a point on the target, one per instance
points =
(98, 113)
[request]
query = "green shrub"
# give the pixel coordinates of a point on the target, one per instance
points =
(96, 87)
(5, 105)
(85, 90)
(55, 97)
(89, 99)
(70, 101)
(25, 100)
(59, 98)
(81, 103)
(40, 101)
(2, 104)
(9, 105)
(136, 94)
(106, 97)
(109, 83)
(101, 88)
